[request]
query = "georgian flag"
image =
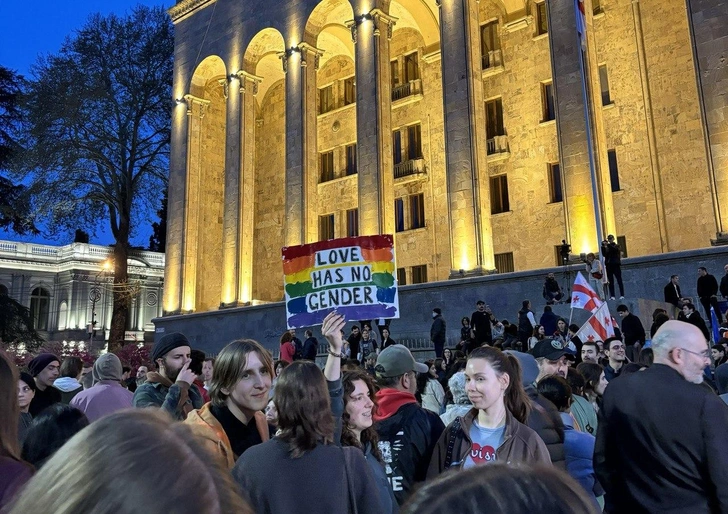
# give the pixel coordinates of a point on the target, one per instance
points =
(583, 296)
(581, 22)
(598, 327)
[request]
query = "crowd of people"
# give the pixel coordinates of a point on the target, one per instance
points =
(517, 417)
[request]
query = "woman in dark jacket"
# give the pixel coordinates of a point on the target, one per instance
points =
(302, 469)
(357, 431)
(13, 471)
(494, 430)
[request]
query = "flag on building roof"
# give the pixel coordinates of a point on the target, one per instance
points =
(581, 22)
(583, 296)
(598, 327)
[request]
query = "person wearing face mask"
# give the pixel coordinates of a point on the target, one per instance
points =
(438, 331)
(661, 443)
(494, 430)
(358, 431)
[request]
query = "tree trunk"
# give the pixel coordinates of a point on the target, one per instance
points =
(122, 296)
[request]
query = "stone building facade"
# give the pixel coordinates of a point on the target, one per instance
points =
(69, 287)
(457, 125)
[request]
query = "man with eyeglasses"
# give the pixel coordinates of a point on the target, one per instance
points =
(661, 444)
(615, 350)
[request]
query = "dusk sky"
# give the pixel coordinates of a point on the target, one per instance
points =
(31, 28)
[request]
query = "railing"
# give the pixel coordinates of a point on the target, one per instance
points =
(76, 251)
(492, 59)
(413, 87)
(497, 144)
(410, 167)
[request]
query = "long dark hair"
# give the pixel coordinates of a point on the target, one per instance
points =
(515, 398)
(50, 431)
(9, 409)
(591, 372)
(368, 436)
(422, 379)
(304, 409)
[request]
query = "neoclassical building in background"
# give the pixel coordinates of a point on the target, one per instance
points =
(456, 125)
(69, 287)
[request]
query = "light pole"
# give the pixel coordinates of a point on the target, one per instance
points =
(96, 295)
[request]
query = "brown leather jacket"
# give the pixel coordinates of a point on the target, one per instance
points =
(520, 445)
(206, 427)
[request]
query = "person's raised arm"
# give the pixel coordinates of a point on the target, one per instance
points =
(331, 330)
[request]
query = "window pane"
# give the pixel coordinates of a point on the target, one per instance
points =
(399, 214)
(397, 146)
(549, 109)
(351, 159)
(613, 170)
(394, 73)
(401, 276)
(349, 91)
(411, 70)
(504, 262)
(555, 182)
(494, 118)
(604, 84)
(499, 194)
(417, 210)
(352, 222)
(327, 166)
(326, 99)
(326, 227)
(414, 141)
(419, 274)
(542, 26)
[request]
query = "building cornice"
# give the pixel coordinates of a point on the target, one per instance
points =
(182, 9)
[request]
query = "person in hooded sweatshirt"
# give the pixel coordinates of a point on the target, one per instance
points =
(461, 404)
(407, 432)
(107, 395)
(68, 383)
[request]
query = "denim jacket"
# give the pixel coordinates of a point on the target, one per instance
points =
(166, 398)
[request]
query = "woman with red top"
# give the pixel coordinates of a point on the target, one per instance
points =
(288, 350)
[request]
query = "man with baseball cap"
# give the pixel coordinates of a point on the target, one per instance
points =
(551, 356)
(407, 432)
(44, 369)
(169, 388)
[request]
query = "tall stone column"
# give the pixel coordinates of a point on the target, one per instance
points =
(176, 209)
(246, 192)
(371, 34)
(571, 125)
(468, 186)
(231, 207)
(708, 22)
(196, 109)
(300, 142)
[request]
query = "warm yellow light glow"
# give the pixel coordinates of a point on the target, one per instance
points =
(107, 265)
(464, 261)
(245, 293)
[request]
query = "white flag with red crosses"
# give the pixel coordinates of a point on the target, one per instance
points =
(598, 327)
(583, 296)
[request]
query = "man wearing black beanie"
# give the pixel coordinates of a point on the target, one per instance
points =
(169, 388)
(44, 369)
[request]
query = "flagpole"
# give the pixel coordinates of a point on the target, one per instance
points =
(587, 119)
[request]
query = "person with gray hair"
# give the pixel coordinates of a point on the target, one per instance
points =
(661, 442)
(461, 404)
(107, 395)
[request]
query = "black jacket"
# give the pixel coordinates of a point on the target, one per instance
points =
(407, 439)
(672, 296)
(438, 331)
(724, 286)
(696, 319)
(633, 330)
(310, 349)
(480, 322)
(707, 286)
(545, 420)
(651, 460)
(612, 254)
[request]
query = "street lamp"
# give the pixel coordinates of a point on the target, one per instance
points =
(96, 295)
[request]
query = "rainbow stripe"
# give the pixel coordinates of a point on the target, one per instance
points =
(299, 267)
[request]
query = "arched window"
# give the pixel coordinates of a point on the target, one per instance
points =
(40, 301)
(63, 315)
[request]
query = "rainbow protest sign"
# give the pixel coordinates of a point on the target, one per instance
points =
(353, 276)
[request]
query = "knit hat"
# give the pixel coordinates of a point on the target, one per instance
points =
(529, 366)
(27, 379)
(40, 362)
(457, 388)
(107, 367)
(168, 343)
(721, 378)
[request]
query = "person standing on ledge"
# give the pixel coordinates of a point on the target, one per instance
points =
(613, 262)
(438, 331)
(708, 294)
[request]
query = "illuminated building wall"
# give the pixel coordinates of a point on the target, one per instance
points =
(457, 125)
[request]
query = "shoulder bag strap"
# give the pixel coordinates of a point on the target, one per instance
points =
(454, 429)
(349, 485)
